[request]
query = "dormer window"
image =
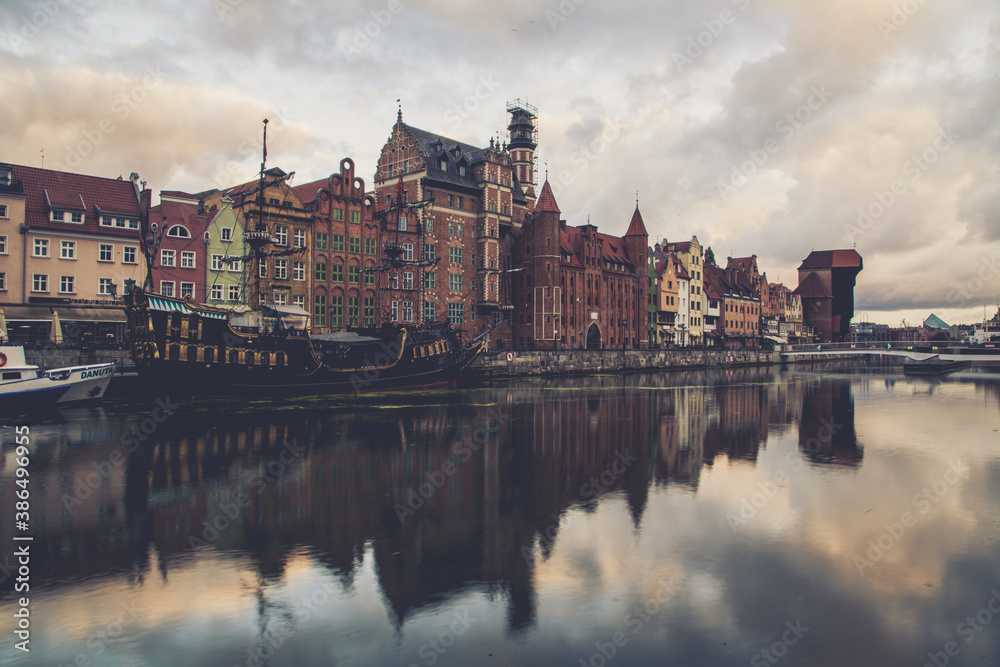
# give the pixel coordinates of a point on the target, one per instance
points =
(444, 165)
(66, 216)
(6, 177)
(461, 170)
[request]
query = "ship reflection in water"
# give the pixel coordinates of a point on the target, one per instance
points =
(722, 518)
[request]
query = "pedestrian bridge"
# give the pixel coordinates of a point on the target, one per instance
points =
(911, 351)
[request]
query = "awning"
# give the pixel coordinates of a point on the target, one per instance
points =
(91, 314)
(782, 341)
(156, 303)
(27, 313)
(287, 310)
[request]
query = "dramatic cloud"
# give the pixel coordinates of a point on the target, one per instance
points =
(763, 126)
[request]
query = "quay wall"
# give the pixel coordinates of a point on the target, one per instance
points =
(569, 362)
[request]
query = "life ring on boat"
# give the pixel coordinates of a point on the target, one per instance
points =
(3, 359)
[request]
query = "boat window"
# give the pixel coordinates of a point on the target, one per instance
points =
(12, 375)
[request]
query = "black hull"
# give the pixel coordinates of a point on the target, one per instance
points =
(192, 351)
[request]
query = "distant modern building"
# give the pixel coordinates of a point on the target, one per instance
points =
(826, 287)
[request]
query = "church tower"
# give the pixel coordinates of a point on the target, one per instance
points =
(523, 129)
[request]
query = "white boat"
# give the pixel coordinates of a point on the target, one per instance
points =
(26, 384)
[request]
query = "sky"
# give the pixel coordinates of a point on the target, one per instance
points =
(767, 127)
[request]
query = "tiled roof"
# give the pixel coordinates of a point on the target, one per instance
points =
(613, 247)
(307, 191)
(635, 227)
(826, 259)
(745, 263)
(813, 287)
(546, 200)
(433, 146)
(45, 189)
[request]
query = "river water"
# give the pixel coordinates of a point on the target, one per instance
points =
(746, 517)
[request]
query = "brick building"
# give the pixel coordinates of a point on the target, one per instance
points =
(179, 266)
(826, 287)
(465, 203)
(346, 249)
(578, 287)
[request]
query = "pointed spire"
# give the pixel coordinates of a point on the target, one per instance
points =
(636, 227)
(546, 200)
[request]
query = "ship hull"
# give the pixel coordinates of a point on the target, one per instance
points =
(181, 349)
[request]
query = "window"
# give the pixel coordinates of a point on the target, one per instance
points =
(369, 277)
(338, 243)
(235, 265)
(234, 292)
(3, 244)
(356, 217)
(455, 282)
(337, 272)
(105, 286)
(130, 254)
(338, 215)
(226, 234)
(40, 282)
(461, 172)
(394, 311)
(281, 269)
(461, 200)
(3, 210)
(430, 311)
(106, 253)
(460, 229)
(262, 269)
(429, 225)
(3, 281)
(456, 313)
(179, 232)
(216, 292)
(336, 310)
(300, 301)
(369, 311)
(443, 164)
(299, 271)
(353, 274)
(394, 280)
(321, 239)
(167, 258)
(353, 314)
(216, 262)
(430, 251)
(354, 245)
(67, 250)
(371, 247)
(407, 311)
(451, 200)
(401, 223)
(407, 280)
(300, 238)
(430, 280)
(187, 290)
(187, 259)
(280, 298)
(319, 310)
(454, 255)
(281, 235)
(41, 248)
(451, 228)
(319, 272)
(166, 288)
(67, 284)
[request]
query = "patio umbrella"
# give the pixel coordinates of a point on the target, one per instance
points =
(56, 336)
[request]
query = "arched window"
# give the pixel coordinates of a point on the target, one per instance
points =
(179, 232)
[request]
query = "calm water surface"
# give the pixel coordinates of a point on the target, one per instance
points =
(745, 517)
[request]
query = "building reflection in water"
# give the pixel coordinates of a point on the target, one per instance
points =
(448, 492)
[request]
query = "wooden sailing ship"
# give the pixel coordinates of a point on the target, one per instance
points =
(200, 348)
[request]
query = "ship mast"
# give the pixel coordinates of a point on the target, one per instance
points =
(259, 237)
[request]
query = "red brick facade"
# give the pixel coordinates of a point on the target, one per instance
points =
(577, 287)
(346, 249)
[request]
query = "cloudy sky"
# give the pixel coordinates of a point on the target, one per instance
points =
(772, 127)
